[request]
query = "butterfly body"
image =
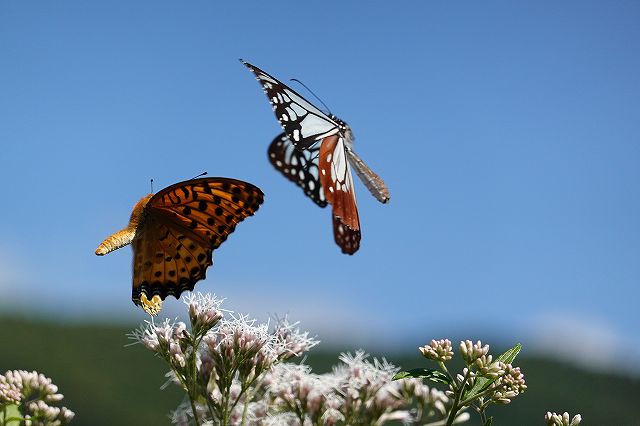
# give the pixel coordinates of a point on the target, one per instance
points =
(174, 232)
(316, 153)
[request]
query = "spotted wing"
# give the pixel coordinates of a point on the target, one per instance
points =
(348, 239)
(180, 228)
(337, 183)
(302, 121)
(300, 167)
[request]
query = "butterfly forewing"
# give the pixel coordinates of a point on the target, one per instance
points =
(300, 167)
(302, 122)
(181, 226)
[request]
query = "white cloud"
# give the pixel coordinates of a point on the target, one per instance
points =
(586, 340)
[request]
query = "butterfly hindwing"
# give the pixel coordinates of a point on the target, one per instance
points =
(302, 121)
(166, 265)
(181, 226)
(337, 183)
(347, 239)
(300, 167)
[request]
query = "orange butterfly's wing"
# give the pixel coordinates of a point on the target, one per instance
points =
(178, 231)
(337, 184)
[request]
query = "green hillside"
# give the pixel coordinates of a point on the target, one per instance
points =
(106, 383)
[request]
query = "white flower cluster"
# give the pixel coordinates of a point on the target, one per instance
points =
(233, 372)
(357, 391)
(508, 381)
(437, 350)
(32, 393)
(553, 419)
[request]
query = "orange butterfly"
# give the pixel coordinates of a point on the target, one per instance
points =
(174, 232)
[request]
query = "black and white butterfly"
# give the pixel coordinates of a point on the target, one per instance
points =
(316, 153)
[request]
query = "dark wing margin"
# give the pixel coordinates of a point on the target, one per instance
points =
(348, 239)
(301, 120)
(300, 167)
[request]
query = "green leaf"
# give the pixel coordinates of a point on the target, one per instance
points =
(423, 373)
(509, 355)
(488, 422)
(483, 383)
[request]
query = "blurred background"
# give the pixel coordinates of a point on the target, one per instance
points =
(508, 133)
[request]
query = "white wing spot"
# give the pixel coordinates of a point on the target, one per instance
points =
(294, 161)
(278, 163)
(272, 155)
(284, 117)
(296, 134)
(311, 185)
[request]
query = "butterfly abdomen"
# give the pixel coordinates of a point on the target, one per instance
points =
(126, 235)
(116, 241)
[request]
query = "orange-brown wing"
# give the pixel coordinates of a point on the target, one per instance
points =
(337, 184)
(180, 227)
(165, 263)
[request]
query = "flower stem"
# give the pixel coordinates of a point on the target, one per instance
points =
(456, 402)
(480, 395)
(446, 371)
(195, 413)
(193, 386)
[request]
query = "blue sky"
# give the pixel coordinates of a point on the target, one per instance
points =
(507, 132)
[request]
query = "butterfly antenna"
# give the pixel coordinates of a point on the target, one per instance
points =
(151, 184)
(310, 91)
(201, 174)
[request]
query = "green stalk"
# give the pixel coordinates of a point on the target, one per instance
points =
(192, 389)
(456, 402)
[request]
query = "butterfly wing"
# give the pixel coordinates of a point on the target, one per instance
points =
(372, 181)
(179, 229)
(166, 262)
(337, 183)
(302, 121)
(300, 167)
